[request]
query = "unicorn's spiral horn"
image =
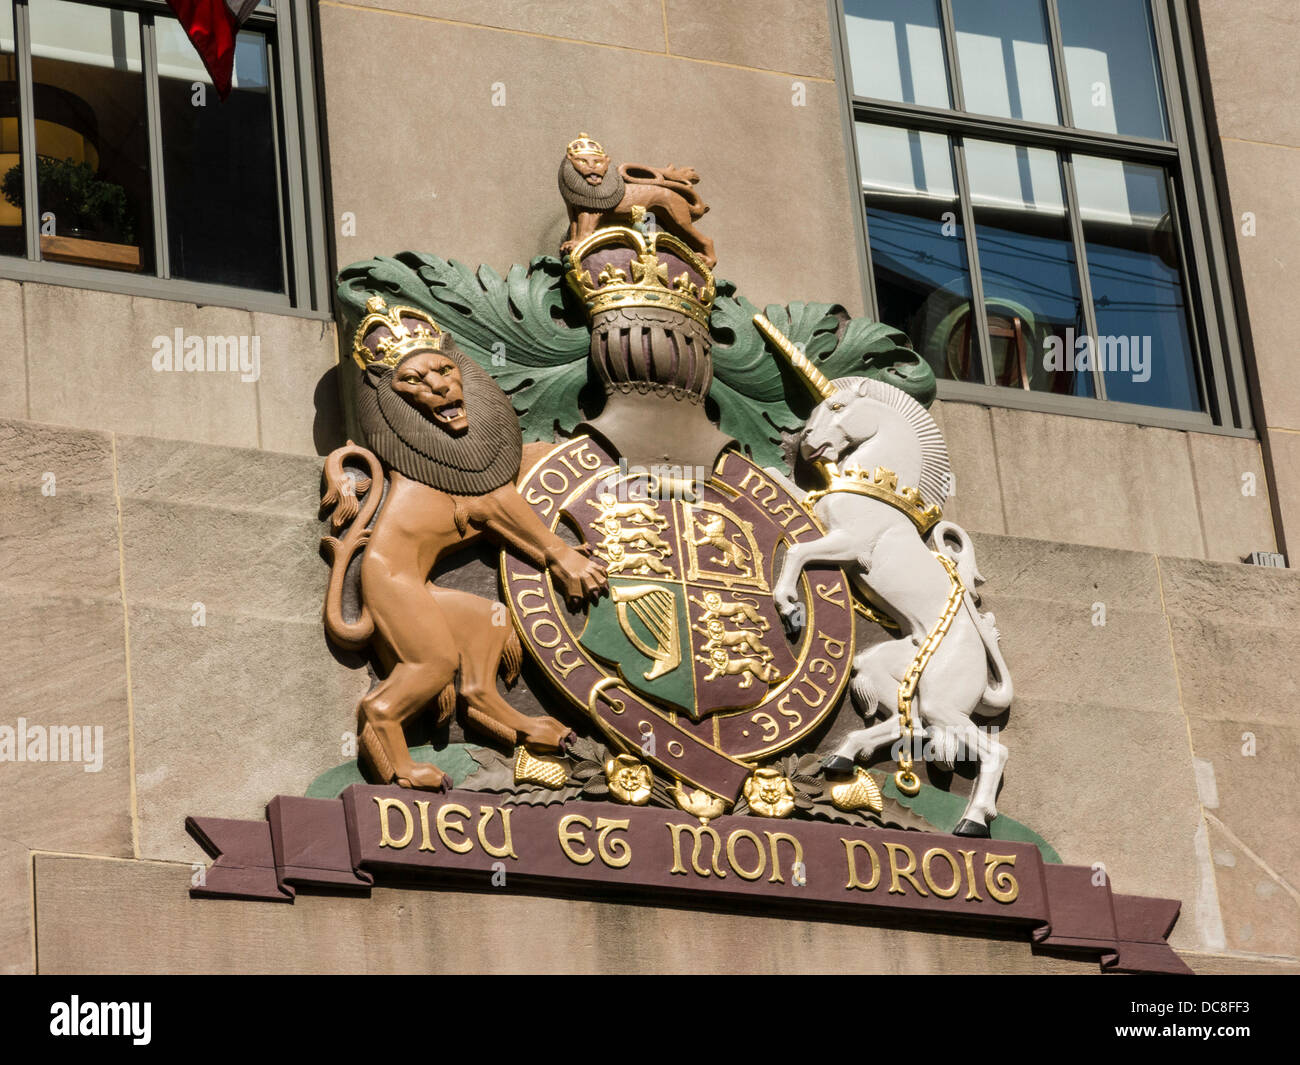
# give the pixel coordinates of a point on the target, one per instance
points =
(799, 362)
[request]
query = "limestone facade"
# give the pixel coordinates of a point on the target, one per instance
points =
(1162, 743)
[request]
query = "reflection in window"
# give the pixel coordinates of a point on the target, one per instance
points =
(1111, 67)
(1027, 265)
(918, 245)
(896, 51)
(1144, 343)
(223, 208)
(92, 173)
(1005, 61)
(11, 200)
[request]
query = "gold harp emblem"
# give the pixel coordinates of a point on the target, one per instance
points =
(656, 609)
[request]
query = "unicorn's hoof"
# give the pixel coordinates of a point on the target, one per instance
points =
(974, 829)
(837, 763)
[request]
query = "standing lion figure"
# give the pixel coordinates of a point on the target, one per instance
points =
(595, 197)
(444, 438)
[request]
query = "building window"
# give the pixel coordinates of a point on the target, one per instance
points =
(143, 180)
(1038, 209)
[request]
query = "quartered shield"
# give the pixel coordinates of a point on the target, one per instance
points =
(688, 647)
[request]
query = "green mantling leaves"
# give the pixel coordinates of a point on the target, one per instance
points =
(759, 397)
(532, 336)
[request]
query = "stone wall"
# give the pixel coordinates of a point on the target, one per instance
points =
(1126, 738)
(448, 121)
(1162, 743)
(85, 358)
(1254, 90)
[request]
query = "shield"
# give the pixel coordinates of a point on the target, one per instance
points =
(689, 620)
(686, 660)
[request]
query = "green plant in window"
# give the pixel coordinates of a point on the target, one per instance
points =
(82, 203)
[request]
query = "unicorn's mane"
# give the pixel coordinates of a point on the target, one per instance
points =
(935, 467)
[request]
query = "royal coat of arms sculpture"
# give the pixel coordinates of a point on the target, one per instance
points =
(721, 570)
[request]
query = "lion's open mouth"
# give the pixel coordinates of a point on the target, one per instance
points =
(449, 413)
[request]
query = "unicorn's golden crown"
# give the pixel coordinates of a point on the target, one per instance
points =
(388, 335)
(881, 484)
(648, 280)
(584, 145)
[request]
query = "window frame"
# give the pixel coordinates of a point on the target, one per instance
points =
(305, 250)
(1194, 202)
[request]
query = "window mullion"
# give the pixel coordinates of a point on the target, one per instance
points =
(860, 222)
(1058, 61)
(285, 116)
(1015, 131)
(1217, 398)
(1075, 216)
(27, 129)
(950, 50)
(973, 261)
(153, 121)
(1232, 405)
(298, 36)
(287, 224)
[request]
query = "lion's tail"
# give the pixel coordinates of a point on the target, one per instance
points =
(344, 490)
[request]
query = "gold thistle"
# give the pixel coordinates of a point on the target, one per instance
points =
(860, 793)
(699, 803)
(770, 793)
(529, 769)
(629, 779)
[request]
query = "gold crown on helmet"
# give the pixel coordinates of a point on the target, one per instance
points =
(396, 337)
(647, 280)
(584, 145)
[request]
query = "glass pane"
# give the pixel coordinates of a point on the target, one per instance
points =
(1111, 67)
(92, 144)
(1005, 61)
(11, 190)
(896, 51)
(1144, 345)
(1027, 265)
(219, 161)
(918, 245)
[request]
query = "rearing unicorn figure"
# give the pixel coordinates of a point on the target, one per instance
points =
(889, 472)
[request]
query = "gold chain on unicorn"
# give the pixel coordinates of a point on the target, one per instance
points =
(906, 778)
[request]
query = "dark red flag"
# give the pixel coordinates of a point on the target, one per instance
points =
(211, 26)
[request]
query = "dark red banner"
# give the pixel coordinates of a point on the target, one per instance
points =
(826, 870)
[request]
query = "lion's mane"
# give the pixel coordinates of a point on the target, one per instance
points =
(577, 193)
(480, 460)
